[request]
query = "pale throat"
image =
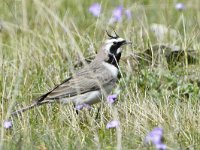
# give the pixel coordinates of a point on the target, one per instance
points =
(119, 50)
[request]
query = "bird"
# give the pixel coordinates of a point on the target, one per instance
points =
(89, 84)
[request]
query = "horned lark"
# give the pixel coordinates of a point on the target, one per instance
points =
(90, 83)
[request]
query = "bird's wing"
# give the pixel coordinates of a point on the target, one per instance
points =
(83, 82)
(75, 86)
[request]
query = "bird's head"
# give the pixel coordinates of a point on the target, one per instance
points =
(111, 50)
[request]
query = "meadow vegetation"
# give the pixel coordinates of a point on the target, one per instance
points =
(41, 43)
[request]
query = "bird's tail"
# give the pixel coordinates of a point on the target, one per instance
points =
(35, 103)
(20, 111)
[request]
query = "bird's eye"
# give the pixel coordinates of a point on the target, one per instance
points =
(114, 43)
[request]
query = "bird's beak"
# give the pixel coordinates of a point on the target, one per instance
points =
(127, 42)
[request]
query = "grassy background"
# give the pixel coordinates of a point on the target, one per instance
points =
(40, 43)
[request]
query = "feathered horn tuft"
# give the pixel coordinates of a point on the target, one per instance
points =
(113, 37)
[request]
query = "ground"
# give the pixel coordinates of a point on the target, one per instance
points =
(41, 43)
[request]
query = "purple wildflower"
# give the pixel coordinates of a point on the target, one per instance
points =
(117, 13)
(81, 106)
(161, 146)
(112, 98)
(7, 124)
(95, 9)
(112, 124)
(180, 6)
(128, 14)
(155, 137)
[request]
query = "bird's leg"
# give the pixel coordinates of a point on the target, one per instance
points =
(76, 109)
(98, 110)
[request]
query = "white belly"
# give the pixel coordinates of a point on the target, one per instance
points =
(86, 98)
(89, 97)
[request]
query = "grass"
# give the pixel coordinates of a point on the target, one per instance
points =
(40, 43)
